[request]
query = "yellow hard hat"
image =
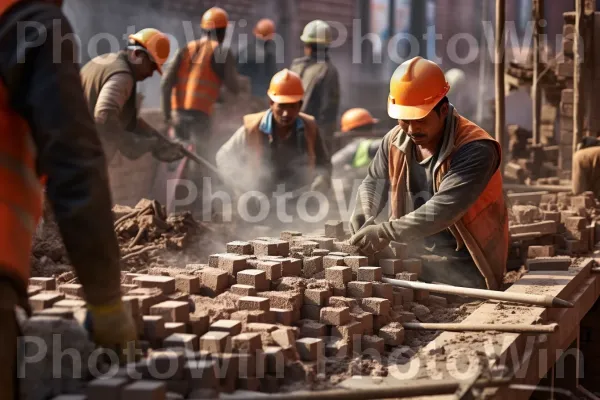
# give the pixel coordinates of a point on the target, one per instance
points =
(286, 87)
(214, 18)
(317, 32)
(155, 43)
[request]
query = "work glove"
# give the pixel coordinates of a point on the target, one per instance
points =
(320, 184)
(111, 327)
(370, 239)
(168, 152)
(357, 220)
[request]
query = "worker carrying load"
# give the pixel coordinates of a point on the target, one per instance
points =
(258, 61)
(47, 132)
(109, 85)
(280, 145)
(320, 79)
(586, 167)
(440, 173)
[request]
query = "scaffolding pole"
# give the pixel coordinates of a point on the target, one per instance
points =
(499, 76)
(577, 81)
(538, 16)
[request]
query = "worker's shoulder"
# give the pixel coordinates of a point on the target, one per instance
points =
(300, 61)
(48, 19)
(110, 62)
(252, 120)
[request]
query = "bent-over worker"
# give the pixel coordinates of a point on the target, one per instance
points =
(442, 175)
(586, 167)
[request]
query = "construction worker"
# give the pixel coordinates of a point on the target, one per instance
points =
(258, 61)
(280, 145)
(441, 174)
(47, 131)
(320, 79)
(109, 84)
(586, 167)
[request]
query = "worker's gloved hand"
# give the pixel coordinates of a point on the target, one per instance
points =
(168, 152)
(111, 326)
(370, 239)
(357, 220)
(320, 184)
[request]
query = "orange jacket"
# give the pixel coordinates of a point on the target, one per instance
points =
(198, 85)
(484, 227)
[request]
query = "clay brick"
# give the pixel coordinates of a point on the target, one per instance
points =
(437, 300)
(575, 223)
(174, 327)
(376, 306)
(145, 390)
(366, 321)
(288, 300)
(172, 311)
(215, 342)
(198, 324)
(253, 303)
(406, 316)
(243, 290)
(202, 374)
(582, 201)
(165, 365)
(188, 284)
(71, 289)
(392, 334)
(260, 327)
(214, 281)
(422, 296)
(551, 216)
(383, 290)
(359, 290)
(165, 283)
(311, 312)
(228, 370)
(335, 315)
(33, 290)
(246, 316)
(283, 316)
(232, 263)
(348, 330)
(339, 253)
(126, 288)
(399, 250)
(308, 247)
(325, 243)
(264, 248)
(154, 328)
(102, 389)
(335, 229)
(310, 349)
(246, 343)
(406, 293)
(320, 253)
(316, 297)
(274, 360)
(285, 338)
(227, 325)
(313, 329)
(272, 269)
(379, 321)
(355, 262)
(45, 300)
(412, 265)
(369, 274)
(288, 235)
(540, 251)
(147, 298)
(182, 340)
(291, 267)
(340, 301)
(544, 227)
(239, 247)
(390, 266)
(372, 343)
(549, 264)
(407, 276)
(339, 277)
(44, 283)
(253, 277)
(311, 266)
(333, 261)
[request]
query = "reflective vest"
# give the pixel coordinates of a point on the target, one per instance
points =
(484, 227)
(362, 157)
(198, 85)
(20, 188)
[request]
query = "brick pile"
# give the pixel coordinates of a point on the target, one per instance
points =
(531, 162)
(267, 313)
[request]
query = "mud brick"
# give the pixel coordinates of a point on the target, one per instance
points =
(288, 300)
(165, 365)
(285, 338)
(347, 331)
(102, 389)
(437, 300)
(253, 303)
(126, 288)
(164, 283)
(310, 349)
(325, 243)
(239, 247)
(575, 223)
(227, 325)
(264, 248)
(188, 284)
(582, 201)
(339, 277)
(540, 251)
(260, 327)
(400, 250)
(154, 328)
(376, 306)
(291, 267)
(341, 301)
(313, 329)
(174, 327)
(407, 276)
(549, 264)
(320, 252)
(421, 296)
(379, 321)
(288, 235)
(283, 247)
(338, 348)
(246, 316)
(365, 319)
(228, 370)
(215, 341)
(44, 283)
(392, 334)
(342, 254)
(355, 262)
(274, 360)
(214, 281)
(272, 269)
(253, 277)
(407, 294)
(283, 316)
(33, 290)
(334, 229)
(369, 274)
(182, 340)
(333, 261)
(145, 390)
(202, 374)
(335, 315)
(373, 343)
(232, 263)
(316, 297)
(383, 290)
(311, 266)
(359, 290)
(246, 342)
(172, 311)
(198, 324)
(45, 300)
(406, 316)
(390, 266)
(296, 251)
(551, 216)
(243, 290)
(311, 312)
(71, 289)
(213, 260)
(544, 227)
(70, 304)
(308, 247)
(412, 265)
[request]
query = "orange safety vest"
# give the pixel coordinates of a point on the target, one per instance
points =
(198, 85)
(484, 227)
(20, 191)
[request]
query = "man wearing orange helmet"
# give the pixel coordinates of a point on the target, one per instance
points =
(258, 61)
(109, 84)
(441, 174)
(280, 145)
(47, 132)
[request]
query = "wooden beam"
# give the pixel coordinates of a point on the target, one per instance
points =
(577, 81)
(499, 76)
(538, 16)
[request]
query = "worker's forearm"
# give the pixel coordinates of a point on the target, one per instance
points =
(131, 144)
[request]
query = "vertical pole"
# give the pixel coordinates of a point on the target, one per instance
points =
(482, 64)
(538, 15)
(418, 22)
(577, 81)
(499, 72)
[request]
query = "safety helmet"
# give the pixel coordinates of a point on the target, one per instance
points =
(356, 118)
(317, 32)
(416, 87)
(286, 87)
(155, 43)
(265, 28)
(214, 18)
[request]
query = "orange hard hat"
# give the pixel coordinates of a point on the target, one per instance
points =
(265, 28)
(286, 87)
(415, 88)
(155, 43)
(356, 118)
(214, 18)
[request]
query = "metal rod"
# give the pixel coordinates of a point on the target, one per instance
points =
(499, 77)
(465, 327)
(577, 81)
(537, 188)
(523, 298)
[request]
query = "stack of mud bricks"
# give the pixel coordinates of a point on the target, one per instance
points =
(530, 161)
